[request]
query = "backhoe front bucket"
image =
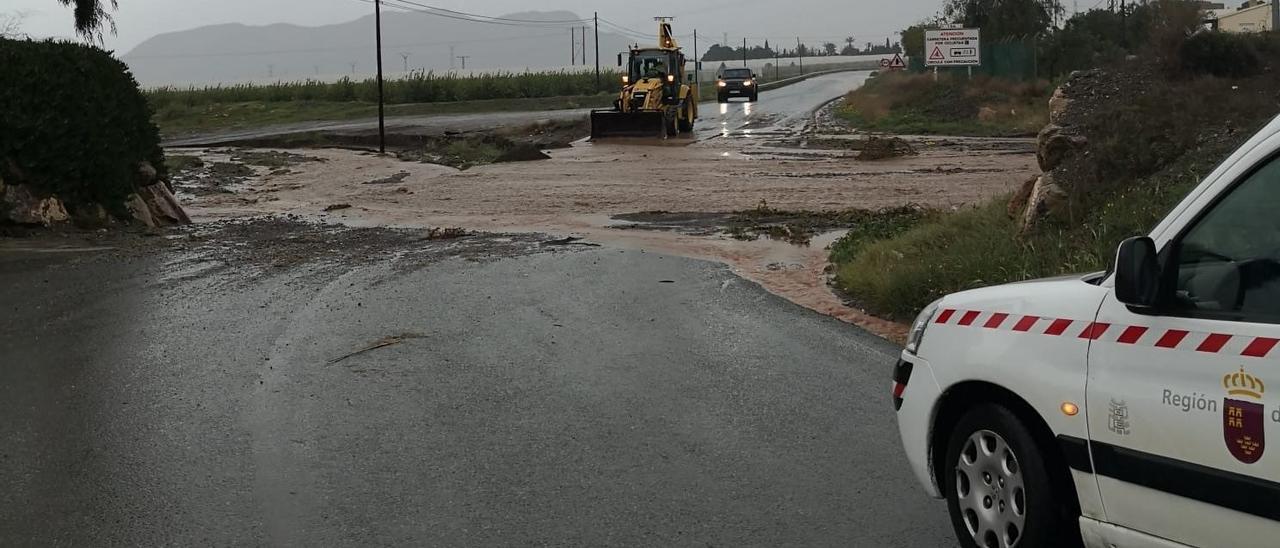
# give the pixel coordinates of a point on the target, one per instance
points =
(613, 123)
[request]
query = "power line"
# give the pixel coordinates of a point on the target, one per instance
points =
(411, 5)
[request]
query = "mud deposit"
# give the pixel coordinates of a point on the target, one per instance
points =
(743, 181)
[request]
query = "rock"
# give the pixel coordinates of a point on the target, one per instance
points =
(21, 206)
(1058, 105)
(1047, 198)
(337, 207)
(146, 174)
(140, 211)
(1018, 202)
(1054, 144)
(165, 209)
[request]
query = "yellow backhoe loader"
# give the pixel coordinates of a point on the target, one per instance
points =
(657, 100)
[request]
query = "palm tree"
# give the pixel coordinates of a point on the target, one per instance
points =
(91, 16)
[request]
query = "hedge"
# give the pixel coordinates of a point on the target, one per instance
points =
(73, 123)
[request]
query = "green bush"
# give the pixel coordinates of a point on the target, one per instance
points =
(1221, 54)
(73, 122)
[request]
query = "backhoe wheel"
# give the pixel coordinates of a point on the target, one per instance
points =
(999, 488)
(670, 123)
(686, 118)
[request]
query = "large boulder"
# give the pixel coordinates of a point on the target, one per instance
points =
(1058, 105)
(21, 206)
(163, 206)
(1046, 199)
(1055, 144)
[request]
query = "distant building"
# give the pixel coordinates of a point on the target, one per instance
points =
(1253, 16)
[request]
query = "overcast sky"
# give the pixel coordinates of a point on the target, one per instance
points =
(816, 20)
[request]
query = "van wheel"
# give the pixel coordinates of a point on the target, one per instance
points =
(999, 492)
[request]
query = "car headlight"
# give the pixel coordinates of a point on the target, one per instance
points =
(721, 83)
(626, 79)
(918, 327)
(749, 83)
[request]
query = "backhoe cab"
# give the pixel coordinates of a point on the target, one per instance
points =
(656, 99)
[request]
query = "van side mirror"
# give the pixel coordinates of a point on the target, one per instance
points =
(619, 59)
(1138, 273)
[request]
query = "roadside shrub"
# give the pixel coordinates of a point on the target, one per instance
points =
(980, 246)
(1221, 54)
(956, 105)
(73, 122)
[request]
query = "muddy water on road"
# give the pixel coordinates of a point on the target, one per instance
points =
(746, 155)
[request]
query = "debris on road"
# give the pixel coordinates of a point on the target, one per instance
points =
(569, 241)
(337, 207)
(880, 148)
(445, 233)
(380, 343)
(397, 178)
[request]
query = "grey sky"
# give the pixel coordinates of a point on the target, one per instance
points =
(828, 20)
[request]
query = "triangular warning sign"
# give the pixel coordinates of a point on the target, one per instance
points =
(937, 54)
(897, 62)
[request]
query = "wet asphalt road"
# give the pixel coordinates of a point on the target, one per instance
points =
(584, 398)
(779, 111)
(783, 108)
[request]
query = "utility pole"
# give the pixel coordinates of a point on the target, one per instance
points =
(777, 62)
(596, 18)
(382, 115)
(464, 60)
(353, 68)
(584, 45)
(697, 63)
(1124, 31)
(451, 57)
(405, 55)
(800, 53)
(573, 47)
(1275, 15)
(744, 52)
(271, 71)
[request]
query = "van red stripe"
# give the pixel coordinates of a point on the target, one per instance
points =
(946, 315)
(1260, 347)
(1132, 334)
(1214, 343)
(1026, 323)
(995, 321)
(1058, 327)
(1172, 338)
(969, 317)
(1094, 331)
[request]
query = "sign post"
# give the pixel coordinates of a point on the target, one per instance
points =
(953, 48)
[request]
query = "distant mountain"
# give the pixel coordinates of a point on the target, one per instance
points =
(240, 53)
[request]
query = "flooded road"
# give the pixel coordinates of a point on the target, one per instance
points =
(744, 158)
(779, 112)
(393, 390)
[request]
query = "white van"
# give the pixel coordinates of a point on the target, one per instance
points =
(1122, 409)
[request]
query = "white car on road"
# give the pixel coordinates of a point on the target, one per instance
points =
(1122, 409)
